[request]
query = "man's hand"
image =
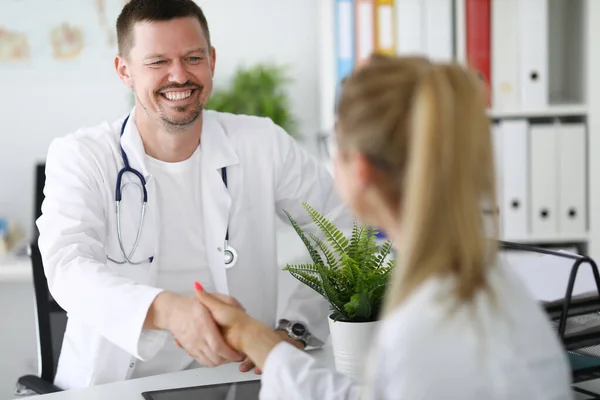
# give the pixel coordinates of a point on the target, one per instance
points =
(248, 364)
(193, 327)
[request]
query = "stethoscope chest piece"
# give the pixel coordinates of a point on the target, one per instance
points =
(231, 256)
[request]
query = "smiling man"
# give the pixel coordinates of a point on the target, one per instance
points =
(137, 210)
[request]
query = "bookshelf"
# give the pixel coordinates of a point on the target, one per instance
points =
(569, 101)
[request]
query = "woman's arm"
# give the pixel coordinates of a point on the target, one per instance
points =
(288, 372)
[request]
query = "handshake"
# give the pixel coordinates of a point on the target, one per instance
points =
(212, 328)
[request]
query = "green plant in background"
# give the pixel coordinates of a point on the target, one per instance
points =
(351, 274)
(258, 90)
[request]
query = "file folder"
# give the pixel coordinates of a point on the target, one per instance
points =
(410, 29)
(572, 179)
(365, 29)
(515, 199)
(478, 44)
(533, 52)
(425, 27)
(385, 27)
(497, 145)
(440, 29)
(505, 55)
(544, 180)
(344, 28)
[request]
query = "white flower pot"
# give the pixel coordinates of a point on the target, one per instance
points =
(351, 342)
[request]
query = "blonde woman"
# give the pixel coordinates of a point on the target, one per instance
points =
(415, 157)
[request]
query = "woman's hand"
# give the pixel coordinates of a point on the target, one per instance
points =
(231, 318)
(241, 331)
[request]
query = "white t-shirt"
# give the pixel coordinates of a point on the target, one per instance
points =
(493, 351)
(182, 247)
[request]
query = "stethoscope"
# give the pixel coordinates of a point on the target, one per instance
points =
(230, 254)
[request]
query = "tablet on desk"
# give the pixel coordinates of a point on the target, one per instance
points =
(248, 390)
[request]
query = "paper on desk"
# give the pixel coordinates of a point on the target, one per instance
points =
(547, 276)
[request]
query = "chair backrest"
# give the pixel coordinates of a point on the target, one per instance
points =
(38, 190)
(51, 318)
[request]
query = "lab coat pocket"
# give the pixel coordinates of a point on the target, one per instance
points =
(139, 272)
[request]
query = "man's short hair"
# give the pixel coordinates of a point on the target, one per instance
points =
(151, 11)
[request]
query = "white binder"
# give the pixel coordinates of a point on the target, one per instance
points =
(439, 24)
(533, 52)
(425, 27)
(544, 182)
(515, 200)
(505, 53)
(497, 145)
(572, 179)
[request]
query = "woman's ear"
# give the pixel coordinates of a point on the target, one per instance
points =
(363, 169)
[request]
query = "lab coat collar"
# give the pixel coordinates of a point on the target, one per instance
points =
(216, 146)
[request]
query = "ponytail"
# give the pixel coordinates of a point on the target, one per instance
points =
(449, 177)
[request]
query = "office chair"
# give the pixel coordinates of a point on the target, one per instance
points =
(576, 319)
(51, 324)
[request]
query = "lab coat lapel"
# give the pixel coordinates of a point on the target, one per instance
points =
(218, 152)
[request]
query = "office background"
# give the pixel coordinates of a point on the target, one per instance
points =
(46, 98)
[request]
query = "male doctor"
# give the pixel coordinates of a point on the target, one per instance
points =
(197, 190)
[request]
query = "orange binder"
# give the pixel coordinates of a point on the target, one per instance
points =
(385, 27)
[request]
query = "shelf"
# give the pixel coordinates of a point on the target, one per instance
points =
(549, 240)
(566, 110)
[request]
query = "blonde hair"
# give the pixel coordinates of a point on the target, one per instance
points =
(424, 125)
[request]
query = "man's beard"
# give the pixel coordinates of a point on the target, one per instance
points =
(194, 111)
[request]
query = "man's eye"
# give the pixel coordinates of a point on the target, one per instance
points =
(195, 59)
(158, 62)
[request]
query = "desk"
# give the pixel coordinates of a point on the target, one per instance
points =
(132, 389)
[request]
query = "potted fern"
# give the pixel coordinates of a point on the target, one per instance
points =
(352, 275)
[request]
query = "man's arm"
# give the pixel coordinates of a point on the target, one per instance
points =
(72, 234)
(302, 178)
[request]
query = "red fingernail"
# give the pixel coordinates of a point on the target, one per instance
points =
(198, 286)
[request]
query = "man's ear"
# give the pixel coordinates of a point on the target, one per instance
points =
(213, 60)
(123, 71)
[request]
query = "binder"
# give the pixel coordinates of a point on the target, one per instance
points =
(460, 31)
(409, 26)
(498, 154)
(544, 182)
(344, 29)
(533, 51)
(328, 65)
(439, 29)
(571, 174)
(365, 29)
(477, 19)
(504, 54)
(385, 29)
(515, 199)
(425, 27)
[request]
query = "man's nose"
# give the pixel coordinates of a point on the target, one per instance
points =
(178, 72)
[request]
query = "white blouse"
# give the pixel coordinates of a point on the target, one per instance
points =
(428, 349)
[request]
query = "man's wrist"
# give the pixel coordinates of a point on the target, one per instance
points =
(161, 310)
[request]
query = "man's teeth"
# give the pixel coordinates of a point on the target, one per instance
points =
(178, 95)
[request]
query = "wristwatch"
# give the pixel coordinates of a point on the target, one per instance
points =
(297, 330)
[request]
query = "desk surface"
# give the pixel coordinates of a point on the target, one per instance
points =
(132, 389)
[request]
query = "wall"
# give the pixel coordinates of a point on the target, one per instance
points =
(42, 102)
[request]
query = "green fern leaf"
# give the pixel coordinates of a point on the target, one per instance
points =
(333, 235)
(314, 254)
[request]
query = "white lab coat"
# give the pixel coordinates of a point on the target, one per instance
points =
(430, 348)
(106, 302)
